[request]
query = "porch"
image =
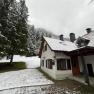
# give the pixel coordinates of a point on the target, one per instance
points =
(83, 62)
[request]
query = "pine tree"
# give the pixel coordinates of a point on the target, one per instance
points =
(4, 25)
(19, 39)
(31, 40)
(14, 27)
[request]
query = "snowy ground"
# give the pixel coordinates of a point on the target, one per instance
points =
(28, 81)
(26, 77)
(21, 78)
(31, 62)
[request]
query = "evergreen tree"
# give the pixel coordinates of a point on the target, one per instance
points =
(4, 25)
(14, 27)
(31, 40)
(35, 37)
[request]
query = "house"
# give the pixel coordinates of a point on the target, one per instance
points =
(53, 53)
(61, 58)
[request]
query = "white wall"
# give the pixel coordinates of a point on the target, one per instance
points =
(54, 73)
(88, 60)
(60, 75)
(80, 64)
(50, 72)
(61, 55)
(49, 54)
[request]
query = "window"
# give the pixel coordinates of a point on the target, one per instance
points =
(63, 64)
(49, 63)
(68, 64)
(42, 63)
(46, 64)
(45, 48)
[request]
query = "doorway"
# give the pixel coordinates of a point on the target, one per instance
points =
(75, 65)
(90, 69)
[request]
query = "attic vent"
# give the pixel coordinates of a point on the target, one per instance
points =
(62, 43)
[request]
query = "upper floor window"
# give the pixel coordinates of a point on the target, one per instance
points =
(45, 48)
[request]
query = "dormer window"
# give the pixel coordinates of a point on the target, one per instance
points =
(82, 42)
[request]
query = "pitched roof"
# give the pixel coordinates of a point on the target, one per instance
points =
(58, 45)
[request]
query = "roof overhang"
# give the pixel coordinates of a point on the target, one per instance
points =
(87, 50)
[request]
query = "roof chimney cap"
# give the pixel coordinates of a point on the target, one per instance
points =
(61, 37)
(88, 30)
(72, 37)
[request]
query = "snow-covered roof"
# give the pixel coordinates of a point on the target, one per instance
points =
(90, 37)
(58, 45)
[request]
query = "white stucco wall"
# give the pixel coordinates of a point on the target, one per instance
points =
(88, 60)
(50, 72)
(54, 73)
(80, 64)
(61, 55)
(49, 54)
(60, 75)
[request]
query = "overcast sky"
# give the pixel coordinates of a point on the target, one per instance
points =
(62, 16)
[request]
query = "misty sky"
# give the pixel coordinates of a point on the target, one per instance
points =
(62, 16)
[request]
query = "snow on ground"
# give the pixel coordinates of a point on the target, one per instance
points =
(31, 62)
(28, 81)
(26, 77)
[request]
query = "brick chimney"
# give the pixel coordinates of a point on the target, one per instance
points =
(61, 37)
(72, 37)
(88, 30)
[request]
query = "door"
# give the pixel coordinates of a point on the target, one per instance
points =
(90, 69)
(75, 65)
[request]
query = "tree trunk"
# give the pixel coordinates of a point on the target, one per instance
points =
(85, 70)
(11, 59)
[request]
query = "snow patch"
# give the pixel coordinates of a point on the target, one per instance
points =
(31, 62)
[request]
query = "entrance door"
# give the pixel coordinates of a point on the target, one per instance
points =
(75, 65)
(90, 69)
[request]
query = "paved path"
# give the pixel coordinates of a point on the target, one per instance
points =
(42, 89)
(26, 77)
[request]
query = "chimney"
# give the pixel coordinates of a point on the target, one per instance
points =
(88, 30)
(61, 37)
(72, 37)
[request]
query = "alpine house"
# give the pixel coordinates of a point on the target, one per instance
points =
(62, 58)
